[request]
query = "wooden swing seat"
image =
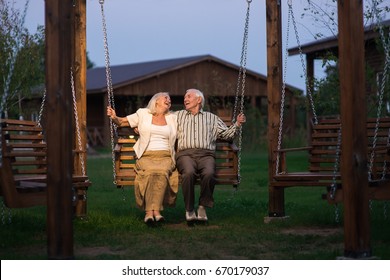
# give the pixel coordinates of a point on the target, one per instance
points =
(226, 160)
(323, 154)
(23, 173)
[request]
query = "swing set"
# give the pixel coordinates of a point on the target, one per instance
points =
(228, 155)
(355, 193)
(325, 149)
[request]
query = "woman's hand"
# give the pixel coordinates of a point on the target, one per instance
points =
(111, 113)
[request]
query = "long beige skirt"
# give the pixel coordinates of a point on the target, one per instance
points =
(157, 181)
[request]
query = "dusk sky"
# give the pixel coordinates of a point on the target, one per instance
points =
(147, 30)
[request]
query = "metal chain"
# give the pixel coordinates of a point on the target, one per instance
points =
(42, 108)
(283, 93)
(336, 213)
(386, 47)
(333, 187)
(76, 118)
(241, 84)
(303, 66)
(110, 91)
(80, 146)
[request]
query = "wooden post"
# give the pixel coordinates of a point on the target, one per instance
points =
(354, 135)
(59, 54)
(80, 79)
(274, 86)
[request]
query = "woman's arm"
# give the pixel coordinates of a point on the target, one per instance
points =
(119, 121)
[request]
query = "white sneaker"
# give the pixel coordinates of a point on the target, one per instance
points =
(202, 216)
(191, 216)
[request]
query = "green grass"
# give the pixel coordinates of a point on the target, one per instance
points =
(115, 230)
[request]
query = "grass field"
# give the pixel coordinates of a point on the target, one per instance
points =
(115, 230)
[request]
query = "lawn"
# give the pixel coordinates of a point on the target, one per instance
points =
(114, 228)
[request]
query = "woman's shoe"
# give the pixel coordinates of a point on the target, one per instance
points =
(149, 219)
(159, 219)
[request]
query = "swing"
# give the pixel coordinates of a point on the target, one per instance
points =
(24, 163)
(228, 155)
(325, 150)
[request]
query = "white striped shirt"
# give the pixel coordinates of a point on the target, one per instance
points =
(202, 130)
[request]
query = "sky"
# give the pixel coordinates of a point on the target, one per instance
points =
(148, 30)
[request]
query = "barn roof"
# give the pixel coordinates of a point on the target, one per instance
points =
(123, 75)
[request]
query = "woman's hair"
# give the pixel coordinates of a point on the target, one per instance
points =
(197, 93)
(152, 102)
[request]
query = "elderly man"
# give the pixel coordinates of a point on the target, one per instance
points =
(197, 133)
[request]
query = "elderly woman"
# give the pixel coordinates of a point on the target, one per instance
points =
(156, 181)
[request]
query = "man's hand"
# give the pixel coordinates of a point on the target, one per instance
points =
(240, 119)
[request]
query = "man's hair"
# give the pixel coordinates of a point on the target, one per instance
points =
(152, 102)
(197, 93)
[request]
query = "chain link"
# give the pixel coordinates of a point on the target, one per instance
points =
(80, 146)
(239, 98)
(308, 88)
(283, 94)
(336, 213)
(110, 91)
(333, 187)
(76, 118)
(386, 47)
(42, 108)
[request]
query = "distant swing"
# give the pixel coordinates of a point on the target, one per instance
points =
(23, 167)
(325, 148)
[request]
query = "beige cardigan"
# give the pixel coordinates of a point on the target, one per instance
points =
(143, 120)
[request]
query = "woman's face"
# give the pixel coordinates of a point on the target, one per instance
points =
(164, 103)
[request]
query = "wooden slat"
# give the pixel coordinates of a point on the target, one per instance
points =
(31, 137)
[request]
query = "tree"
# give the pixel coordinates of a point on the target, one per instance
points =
(21, 57)
(327, 91)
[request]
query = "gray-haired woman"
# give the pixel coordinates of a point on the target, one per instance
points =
(156, 182)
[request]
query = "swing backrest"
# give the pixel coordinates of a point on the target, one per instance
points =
(323, 153)
(23, 162)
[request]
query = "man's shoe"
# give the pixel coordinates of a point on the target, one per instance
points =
(190, 216)
(202, 216)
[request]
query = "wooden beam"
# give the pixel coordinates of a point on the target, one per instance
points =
(274, 86)
(59, 54)
(354, 135)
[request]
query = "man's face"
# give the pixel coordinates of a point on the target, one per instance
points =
(192, 102)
